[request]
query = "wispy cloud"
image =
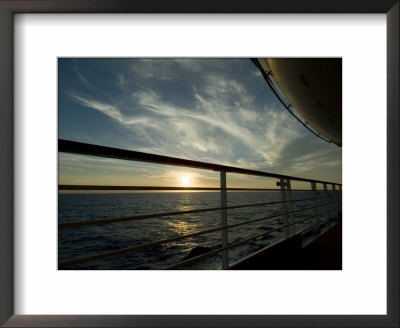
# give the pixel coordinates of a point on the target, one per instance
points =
(106, 109)
(109, 110)
(159, 69)
(121, 79)
(81, 77)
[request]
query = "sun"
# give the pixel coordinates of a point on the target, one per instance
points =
(185, 181)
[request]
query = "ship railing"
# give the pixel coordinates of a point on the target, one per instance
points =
(331, 208)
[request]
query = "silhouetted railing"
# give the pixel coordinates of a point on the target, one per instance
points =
(284, 183)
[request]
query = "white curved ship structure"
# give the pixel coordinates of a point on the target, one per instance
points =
(313, 87)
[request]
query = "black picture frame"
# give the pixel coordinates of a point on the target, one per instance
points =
(7, 10)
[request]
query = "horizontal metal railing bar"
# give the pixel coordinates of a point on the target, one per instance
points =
(165, 241)
(92, 187)
(99, 187)
(276, 215)
(159, 215)
(81, 148)
(197, 258)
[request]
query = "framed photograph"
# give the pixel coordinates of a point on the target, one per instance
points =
(84, 95)
(175, 210)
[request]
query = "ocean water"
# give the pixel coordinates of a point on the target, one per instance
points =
(89, 240)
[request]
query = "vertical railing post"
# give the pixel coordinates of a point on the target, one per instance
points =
(292, 228)
(337, 200)
(327, 200)
(333, 201)
(315, 196)
(224, 221)
(284, 207)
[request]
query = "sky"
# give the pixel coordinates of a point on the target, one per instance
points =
(216, 110)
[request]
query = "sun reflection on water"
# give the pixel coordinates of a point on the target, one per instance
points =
(183, 228)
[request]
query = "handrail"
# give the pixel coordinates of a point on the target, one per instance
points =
(81, 148)
(165, 241)
(159, 215)
(104, 187)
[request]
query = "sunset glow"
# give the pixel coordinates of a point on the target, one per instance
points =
(185, 181)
